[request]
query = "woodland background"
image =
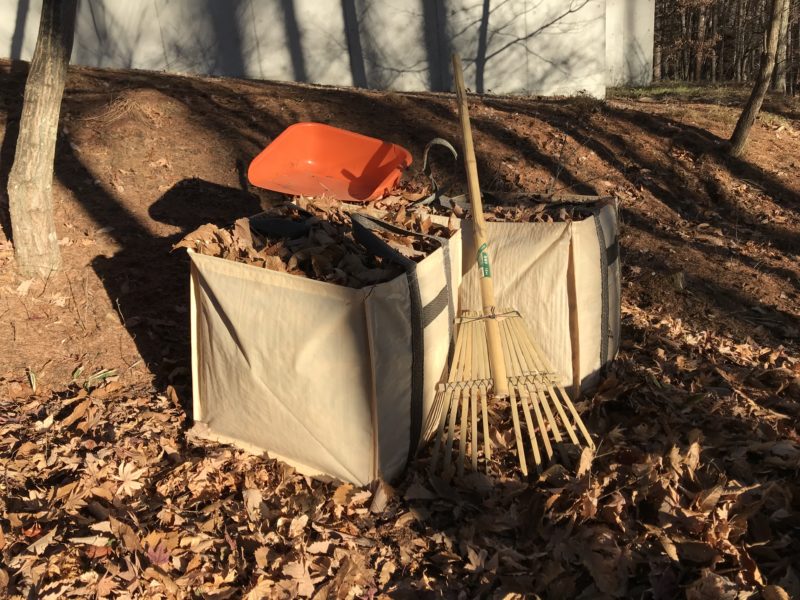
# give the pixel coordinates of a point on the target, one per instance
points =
(722, 40)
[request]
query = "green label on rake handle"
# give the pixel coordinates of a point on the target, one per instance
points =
(483, 261)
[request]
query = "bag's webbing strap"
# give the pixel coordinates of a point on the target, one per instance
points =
(364, 228)
(269, 225)
(451, 302)
(604, 333)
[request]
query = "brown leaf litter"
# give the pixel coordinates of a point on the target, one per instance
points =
(692, 492)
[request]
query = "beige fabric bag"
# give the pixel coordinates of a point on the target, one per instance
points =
(333, 380)
(323, 377)
(565, 280)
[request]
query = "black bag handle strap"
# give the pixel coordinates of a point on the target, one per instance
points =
(269, 225)
(364, 228)
(364, 232)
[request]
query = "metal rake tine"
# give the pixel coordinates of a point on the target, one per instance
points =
(524, 395)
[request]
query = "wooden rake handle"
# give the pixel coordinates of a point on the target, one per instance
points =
(493, 341)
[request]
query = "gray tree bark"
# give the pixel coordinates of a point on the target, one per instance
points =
(30, 182)
(699, 56)
(782, 58)
(753, 106)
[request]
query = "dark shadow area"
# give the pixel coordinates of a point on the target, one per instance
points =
(437, 44)
(354, 50)
(112, 49)
(18, 37)
(480, 57)
(225, 19)
(380, 76)
(716, 94)
(14, 80)
(673, 187)
(701, 141)
(7, 151)
(741, 314)
(362, 185)
(515, 143)
(145, 280)
(149, 283)
(294, 39)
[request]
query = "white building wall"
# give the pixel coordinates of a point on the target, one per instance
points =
(507, 46)
(630, 26)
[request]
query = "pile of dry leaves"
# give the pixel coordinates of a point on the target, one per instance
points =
(539, 212)
(314, 238)
(515, 208)
(692, 492)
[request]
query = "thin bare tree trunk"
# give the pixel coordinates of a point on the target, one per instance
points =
(701, 40)
(781, 60)
(685, 48)
(794, 54)
(738, 48)
(753, 106)
(714, 41)
(30, 181)
(657, 62)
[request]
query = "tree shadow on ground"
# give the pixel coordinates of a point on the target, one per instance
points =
(14, 77)
(149, 283)
(674, 188)
(732, 95)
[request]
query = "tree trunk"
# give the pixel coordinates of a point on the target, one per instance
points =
(701, 41)
(714, 42)
(753, 106)
(685, 47)
(657, 62)
(738, 48)
(30, 181)
(794, 54)
(781, 60)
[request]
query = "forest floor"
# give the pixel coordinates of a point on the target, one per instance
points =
(693, 491)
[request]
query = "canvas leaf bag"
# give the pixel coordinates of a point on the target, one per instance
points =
(332, 380)
(564, 278)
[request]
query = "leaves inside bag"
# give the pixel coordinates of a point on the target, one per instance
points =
(313, 238)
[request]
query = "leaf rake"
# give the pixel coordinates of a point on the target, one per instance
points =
(497, 365)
